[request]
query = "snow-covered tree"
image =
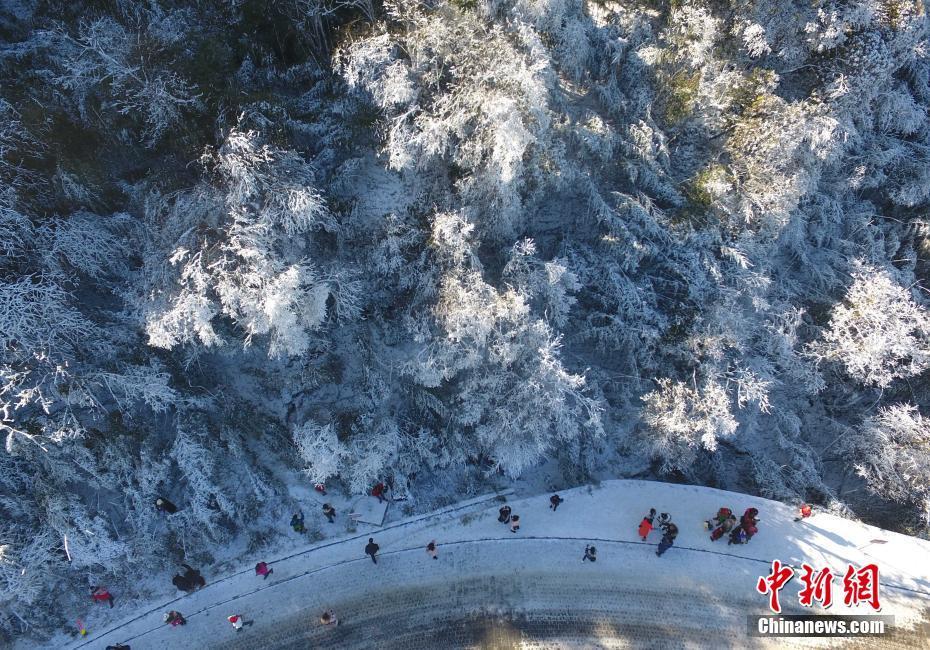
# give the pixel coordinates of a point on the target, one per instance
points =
(681, 420)
(891, 451)
(879, 332)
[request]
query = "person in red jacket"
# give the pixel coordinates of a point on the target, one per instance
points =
(378, 491)
(100, 595)
(645, 526)
(238, 622)
(262, 569)
(174, 619)
(805, 511)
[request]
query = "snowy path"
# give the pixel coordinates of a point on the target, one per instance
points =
(494, 588)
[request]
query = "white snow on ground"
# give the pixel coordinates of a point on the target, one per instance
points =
(607, 515)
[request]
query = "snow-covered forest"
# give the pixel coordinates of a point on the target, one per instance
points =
(244, 243)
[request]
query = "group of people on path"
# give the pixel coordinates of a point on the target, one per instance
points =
(740, 532)
(725, 522)
(379, 490)
(669, 530)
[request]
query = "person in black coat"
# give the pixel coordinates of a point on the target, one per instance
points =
(670, 532)
(504, 514)
(666, 543)
(163, 505)
(372, 549)
(193, 576)
(329, 511)
(554, 501)
(590, 553)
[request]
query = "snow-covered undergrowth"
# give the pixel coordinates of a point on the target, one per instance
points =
(247, 244)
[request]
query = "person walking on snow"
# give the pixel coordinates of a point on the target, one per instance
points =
(297, 522)
(320, 487)
(504, 514)
(163, 505)
(664, 518)
(101, 594)
(805, 511)
(174, 619)
(378, 491)
(645, 526)
(329, 618)
(670, 532)
(329, 511)
(431, 550)
(590, 553)
(262, 569)
(514, 523)
(554, 501)
(238, 622)
(372, 549)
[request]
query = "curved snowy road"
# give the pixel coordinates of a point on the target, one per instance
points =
(629, 598)
(492, 588)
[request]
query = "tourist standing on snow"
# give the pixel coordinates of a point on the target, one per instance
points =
(805, 511)
(262, 569)
(670, 532)
(193, 576)
(238, 622)
(174, 619)
(749, 521)
(329, 618)
(101, 594)
(329, 511)
(554, 501)
(514, 523)
(431, 549)
(645, 526)
(372, 549)
(163, 505)
(590, 553)
(378, 491)
(297, 522)
(504, 514)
